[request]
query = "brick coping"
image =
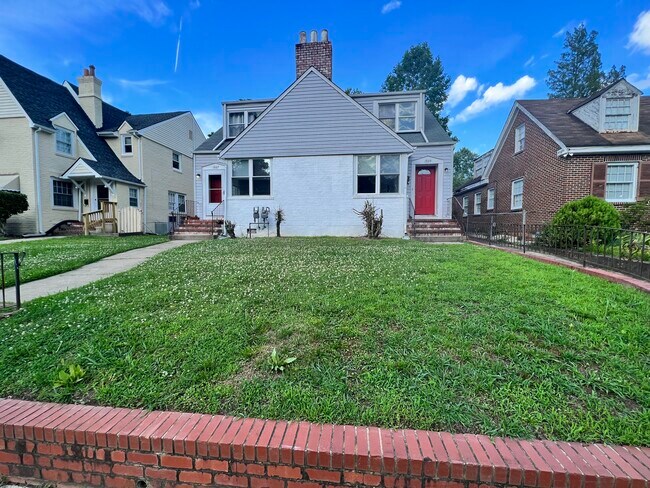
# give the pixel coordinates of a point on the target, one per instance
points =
(613, 276)
(103, 446)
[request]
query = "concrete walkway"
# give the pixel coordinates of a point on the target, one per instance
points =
(103, 268)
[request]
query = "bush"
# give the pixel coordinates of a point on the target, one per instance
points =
(372, 221)
(11, 203)
(636, 216)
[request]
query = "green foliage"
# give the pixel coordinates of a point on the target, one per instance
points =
(419, 70)
(635, 245)
(69, 376)
(636, 216)
(371, 219)
(463, 166)
(590, 211)
(579, 71)
(353, 91)
(11, 203)
(230, 229)
(277, 364)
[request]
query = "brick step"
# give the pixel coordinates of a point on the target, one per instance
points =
(454, 232)
(434, 227)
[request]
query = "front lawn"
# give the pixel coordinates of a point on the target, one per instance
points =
(390, 333)
(47, 257)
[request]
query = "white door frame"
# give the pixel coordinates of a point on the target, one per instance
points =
(207, 206)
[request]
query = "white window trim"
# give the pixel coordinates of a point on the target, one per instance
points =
(517, 138)
(418, 125)
(250, 195)
(512, 194)
(635, 181)
(465, 205)
(377, 194)
(123, 144)
(479, 203)
(72, 143)
(75, 202)
(487, 203)
(176, 195)
(137, 197)
(246, 123)
(180, 162)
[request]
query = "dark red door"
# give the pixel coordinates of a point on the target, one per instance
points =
(425, 190)
(215, 188)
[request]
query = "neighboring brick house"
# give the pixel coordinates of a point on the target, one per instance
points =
(557, 150)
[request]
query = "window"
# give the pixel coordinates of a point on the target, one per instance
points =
(238, 121)
(517, 194)
(133, 197)
(191, 135)
(62, 193)
(176, 161)
(618, 114)
(398, 116)
(127, 145)
(465, 206)
(477, 204)
(620, 183)
(176, 202)
(369, 180)
(490, 198)
(520, 138)
(251, 177)
(63, 141)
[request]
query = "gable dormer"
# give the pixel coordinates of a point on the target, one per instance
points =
(613, 109)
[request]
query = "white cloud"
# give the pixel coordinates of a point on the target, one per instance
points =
(496, 95)
(642, 82)
(459, 90)
(209, 121)
(529, 62)
(141, 86)
(390, 6)
(640, 36)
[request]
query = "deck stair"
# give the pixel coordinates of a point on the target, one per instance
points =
(196, 228)
(434, 230)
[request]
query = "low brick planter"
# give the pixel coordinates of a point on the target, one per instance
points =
(100, 446)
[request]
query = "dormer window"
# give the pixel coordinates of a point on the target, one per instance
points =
(398, 116)
(127, 145)
(618, 114)
(63, 141)
(238, 121)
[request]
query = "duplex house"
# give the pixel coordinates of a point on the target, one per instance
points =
(554, 151)
(80, 159)
(318, 153)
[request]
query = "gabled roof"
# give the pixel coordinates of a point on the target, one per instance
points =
(584, 101)
(211, 143)
(142, 121)
(477, 182)
(43, 99)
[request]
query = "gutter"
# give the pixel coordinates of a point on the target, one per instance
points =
(570, 151)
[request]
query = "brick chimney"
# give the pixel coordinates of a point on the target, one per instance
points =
(314, 53)
(90, 96)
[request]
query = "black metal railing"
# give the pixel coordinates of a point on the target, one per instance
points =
(180, 213)
(413, 229)
(623, 250)
(216, 215)
(15, 258)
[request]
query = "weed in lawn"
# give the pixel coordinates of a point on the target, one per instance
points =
(69, 376)
(277, 363)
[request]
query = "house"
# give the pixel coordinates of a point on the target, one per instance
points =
(78, 158)
(318, 153)
(554, 151)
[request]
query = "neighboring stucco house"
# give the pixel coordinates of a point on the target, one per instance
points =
(73, 155)
(554, 151)
(319, 153)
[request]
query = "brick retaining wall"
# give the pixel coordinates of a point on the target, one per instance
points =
(100, 446)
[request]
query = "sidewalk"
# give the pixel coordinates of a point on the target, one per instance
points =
(101, 269)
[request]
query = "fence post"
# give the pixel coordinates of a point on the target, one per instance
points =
(2, 270)
(490, 231)
(17, 286)
(584, 248)
(523, 229)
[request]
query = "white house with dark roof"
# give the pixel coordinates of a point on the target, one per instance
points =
(318, 154)
(80, 159)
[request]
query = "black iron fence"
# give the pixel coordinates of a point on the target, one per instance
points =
(623, 250)
(10, 261)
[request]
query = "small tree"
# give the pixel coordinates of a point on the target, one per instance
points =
(370, 218)
(11, 203)
(463, 166)
(230, 229)
(279, 218)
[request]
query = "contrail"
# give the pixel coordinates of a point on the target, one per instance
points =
(178, 45)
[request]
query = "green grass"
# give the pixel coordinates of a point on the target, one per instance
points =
(48, 257)
(390, 333)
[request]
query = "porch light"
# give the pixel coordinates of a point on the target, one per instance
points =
(198, 176)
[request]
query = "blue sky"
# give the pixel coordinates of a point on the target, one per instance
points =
(494, 51)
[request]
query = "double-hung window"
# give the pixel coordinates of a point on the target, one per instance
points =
(63, 141)
(477, 204)
(133, 197)
(520, 138)
(465, 205)
(517, 194)
(238, 121)
(620, 183)
(398, 116)
(618, 114)
(251, 177)
(176, 202)
(176, 161)
(127, 145)
(378, 174)
(490, 199)
(62, 195)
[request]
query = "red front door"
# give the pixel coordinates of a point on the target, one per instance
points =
(425, 190)
(214, 189)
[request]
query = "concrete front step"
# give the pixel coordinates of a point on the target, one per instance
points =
(434, 238)
(191, 236)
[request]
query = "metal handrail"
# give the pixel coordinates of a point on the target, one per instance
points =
(412, 217)
(212, 214)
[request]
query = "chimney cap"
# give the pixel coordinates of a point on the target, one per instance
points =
(324, 35)
(91, 70)
(86, 72)
(303, 37)
(313, 36)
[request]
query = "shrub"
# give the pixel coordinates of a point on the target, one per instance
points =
(230, 229)
(636, 216)
(279, 218)
(11, 203)
(370, 218)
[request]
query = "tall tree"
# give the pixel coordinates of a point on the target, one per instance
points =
(419, 70)
(463, 166)
(579, 71)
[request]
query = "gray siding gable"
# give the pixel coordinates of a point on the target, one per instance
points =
(313, 118)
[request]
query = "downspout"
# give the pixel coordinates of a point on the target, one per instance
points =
(37, 182)
(141, 176)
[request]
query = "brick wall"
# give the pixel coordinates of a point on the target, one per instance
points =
(100, 446)
(317, 54)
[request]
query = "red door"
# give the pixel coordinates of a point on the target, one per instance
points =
(215, 188)
(425, 190)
